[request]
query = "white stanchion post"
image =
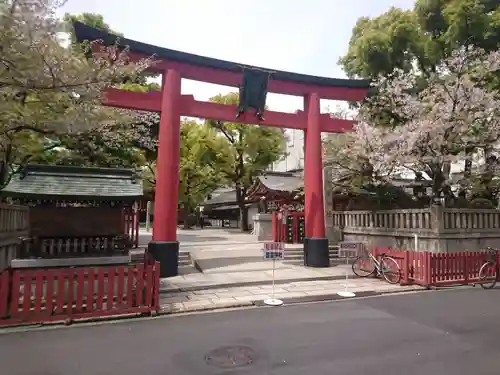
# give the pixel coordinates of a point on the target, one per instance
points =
(274, 267)
(346, 252)
(276, 249)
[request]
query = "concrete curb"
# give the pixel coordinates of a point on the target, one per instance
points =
(164, 290)
(335, 297)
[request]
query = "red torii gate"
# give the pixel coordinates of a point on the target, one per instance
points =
(174, 66)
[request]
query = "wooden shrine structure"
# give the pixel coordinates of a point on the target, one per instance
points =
(76, 215)
(253, 84)
(71, 239)
(275, 189)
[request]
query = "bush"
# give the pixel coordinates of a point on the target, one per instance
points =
(482, 203)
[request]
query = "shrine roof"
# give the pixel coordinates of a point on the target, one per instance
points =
(75, 182)
(281, 181)
(221, 196)
(85, 32)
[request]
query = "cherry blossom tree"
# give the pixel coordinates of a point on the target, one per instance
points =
(359, 157)
(454, 118)
(47, 89)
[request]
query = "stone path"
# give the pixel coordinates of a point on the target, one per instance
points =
(283, 273)
(297, 291)
(235, 275)
(204, 237)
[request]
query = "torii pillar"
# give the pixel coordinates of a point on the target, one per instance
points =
(164, 246)
(316, 252)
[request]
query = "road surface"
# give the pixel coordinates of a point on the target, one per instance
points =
(430, 333)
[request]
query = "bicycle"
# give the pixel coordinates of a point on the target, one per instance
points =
(489, 270)
(367, 265)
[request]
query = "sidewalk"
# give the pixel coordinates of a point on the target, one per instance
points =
(284, 273)
(291, 292)
(236, 275)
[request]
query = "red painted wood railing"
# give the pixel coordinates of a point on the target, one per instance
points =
(61, 294)
(437, 269)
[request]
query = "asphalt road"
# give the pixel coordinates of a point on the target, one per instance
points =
(432, 333)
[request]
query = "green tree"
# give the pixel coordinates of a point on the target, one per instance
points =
(118, 145)
(200, 166)
(97, 21)
(419, 42)
(250, 151)
(202, 154)
(110, 145)
(47, 90)
(454, 117)
(420, 39)
(90, 19)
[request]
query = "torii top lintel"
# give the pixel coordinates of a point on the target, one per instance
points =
(210, 70)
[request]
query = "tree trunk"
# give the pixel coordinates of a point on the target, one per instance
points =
(438, 180)
(468, 167)
(185, 217)
(469, 150)
(3, 174)
(244, 218)
(4, 167)
(240, 199)
(488, 174)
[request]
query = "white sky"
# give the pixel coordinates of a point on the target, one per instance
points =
(291, 35)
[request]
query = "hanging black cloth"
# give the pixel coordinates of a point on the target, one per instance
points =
(253, 92)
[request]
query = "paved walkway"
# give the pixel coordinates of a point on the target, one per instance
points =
(235, 274)
(283, 273)
(297, 291)
(204, 237)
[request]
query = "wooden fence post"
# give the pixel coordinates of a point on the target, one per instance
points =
(427, 270)
(405, 277)
(4, 293)
(466, 267)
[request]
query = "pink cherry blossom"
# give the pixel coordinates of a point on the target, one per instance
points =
(456, 115)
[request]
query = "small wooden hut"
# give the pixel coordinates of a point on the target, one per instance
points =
(77, 215)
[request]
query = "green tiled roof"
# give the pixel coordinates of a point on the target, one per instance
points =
(64, 181)
(221, 196)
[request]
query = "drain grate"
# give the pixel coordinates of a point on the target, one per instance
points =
(230, 356)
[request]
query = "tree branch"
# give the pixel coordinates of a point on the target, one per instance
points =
(20, 128)
(220, 126)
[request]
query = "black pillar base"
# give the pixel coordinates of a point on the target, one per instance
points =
(167, 253)
(316, 252)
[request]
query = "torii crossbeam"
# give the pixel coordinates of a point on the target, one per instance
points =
(171, 105)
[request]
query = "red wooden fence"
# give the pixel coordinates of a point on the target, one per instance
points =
(131, 224)
(437, 269)
(280, 229)
(59, 294)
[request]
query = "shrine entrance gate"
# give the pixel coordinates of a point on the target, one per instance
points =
(171, 104)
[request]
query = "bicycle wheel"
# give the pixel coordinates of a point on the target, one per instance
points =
(390, 270)
(363, 266)
(488, 275)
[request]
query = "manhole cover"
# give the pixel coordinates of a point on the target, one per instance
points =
(230, 356)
